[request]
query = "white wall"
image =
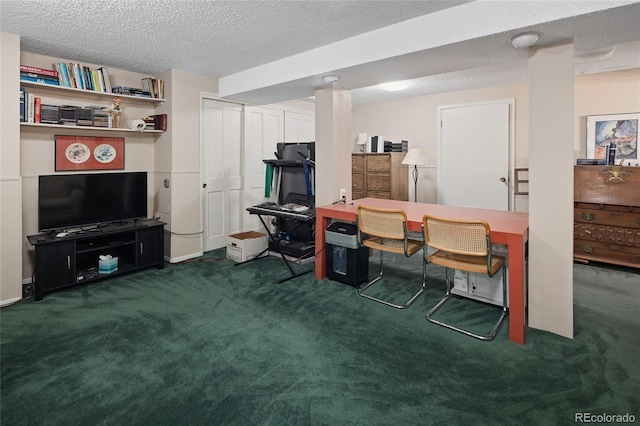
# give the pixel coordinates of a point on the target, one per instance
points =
(414, 119)
(11, 238)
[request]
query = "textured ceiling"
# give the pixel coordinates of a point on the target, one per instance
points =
(268, 51)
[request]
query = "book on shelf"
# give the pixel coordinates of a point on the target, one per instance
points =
(30, 107)
(82, 77)
(38, 70)
(39, 80)
(160, 122)
(37, 101)
(106, 78)
(131, 91)
(154, 86)
(77, 76)
(150, 123)
(23, 95)
(39, 76)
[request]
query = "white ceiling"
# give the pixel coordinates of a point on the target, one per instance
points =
(269, 51)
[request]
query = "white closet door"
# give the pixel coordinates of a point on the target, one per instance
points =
(299, 127)
(264, 128)
(221, 171)
(473, 166)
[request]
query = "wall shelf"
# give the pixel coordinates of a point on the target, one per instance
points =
(88, 93)
(47, 127)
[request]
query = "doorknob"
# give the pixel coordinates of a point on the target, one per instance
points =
(204, 185)
(503, 179)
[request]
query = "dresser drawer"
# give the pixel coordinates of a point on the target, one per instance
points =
(378, 183)
(378, 163)
(357, 163)
(607, 217)
(613, 235)
(606, 252)
(357, 182)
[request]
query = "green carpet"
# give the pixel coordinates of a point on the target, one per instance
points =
(207, 343)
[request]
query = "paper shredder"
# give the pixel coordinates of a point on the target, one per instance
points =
(347, 262)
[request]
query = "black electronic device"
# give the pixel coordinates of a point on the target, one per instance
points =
(299, 178)
(76, 200)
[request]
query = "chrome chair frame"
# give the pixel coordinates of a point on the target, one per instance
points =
(382, 241)
(454, 255)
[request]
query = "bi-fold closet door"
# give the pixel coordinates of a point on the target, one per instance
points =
(235, 139)
(265, 126)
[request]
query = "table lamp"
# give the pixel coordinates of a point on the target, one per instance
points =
(414, 158)
(362, 141)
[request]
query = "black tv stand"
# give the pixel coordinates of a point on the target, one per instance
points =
(64, 262)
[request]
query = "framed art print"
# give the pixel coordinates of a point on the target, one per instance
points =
(88, 153)
(621, 129)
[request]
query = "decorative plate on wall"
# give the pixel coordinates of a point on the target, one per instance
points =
(88, 153)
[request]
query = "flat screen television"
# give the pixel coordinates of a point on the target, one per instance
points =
(77, 200)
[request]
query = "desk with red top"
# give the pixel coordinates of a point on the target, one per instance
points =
(508, 228)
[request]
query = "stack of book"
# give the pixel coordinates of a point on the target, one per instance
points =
(150, 123)
(396, 146)
(80, 76)
(131, 91)
(160, 122)
(39, 75)
(30, 107)
(156, 122)
(154, 86)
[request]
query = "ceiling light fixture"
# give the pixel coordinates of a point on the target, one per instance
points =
(595, 54)
(527, 39)
(394, 86)
(328, 79)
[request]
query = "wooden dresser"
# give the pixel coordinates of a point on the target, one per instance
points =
(379, 176)
(606, 224)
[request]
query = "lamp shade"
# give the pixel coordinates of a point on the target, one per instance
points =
(362, 139)
(414, 158)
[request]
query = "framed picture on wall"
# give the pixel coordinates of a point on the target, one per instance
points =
(88, 153)
(621, 129)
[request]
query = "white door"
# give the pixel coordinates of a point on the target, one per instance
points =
(264, 128)
(474, 152)
(221, 171)
(299, 127)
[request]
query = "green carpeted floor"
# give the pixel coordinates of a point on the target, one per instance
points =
(206, 343)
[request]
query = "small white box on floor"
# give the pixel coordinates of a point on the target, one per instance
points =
(480, 286)
(246, 245)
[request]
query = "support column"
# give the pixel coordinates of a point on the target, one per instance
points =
(333, 143)
(551, 122)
